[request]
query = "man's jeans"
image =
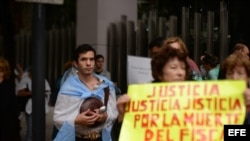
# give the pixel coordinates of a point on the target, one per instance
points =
(28, 136)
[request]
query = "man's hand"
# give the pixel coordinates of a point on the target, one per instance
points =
(86, 118)
(101, 116)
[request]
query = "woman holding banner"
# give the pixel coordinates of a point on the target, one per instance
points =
(168, 65)
(237, 67)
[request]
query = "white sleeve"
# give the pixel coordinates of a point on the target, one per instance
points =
(111, 109)
(47, 88)
(22, 84)
(66, 109)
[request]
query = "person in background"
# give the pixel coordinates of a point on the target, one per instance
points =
(10, 128)
(24, 89)
(237, 67)
(202, 69)
(155, 45)
(77, 89)
(178, 43)
(69, 69)
(168, 65)
(241, 48)
(118, 91)
(99, 67)
(211, 64)
(18, 73)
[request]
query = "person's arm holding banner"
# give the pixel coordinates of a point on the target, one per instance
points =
(247, 102)
(247, 99)
(121, 104)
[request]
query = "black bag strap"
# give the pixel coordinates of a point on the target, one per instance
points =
(106, 96)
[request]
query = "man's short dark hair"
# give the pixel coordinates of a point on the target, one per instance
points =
(83, 49)
(156, 42)
(99, 56)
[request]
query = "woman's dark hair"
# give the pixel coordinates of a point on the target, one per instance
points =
(156, 42)
(164, 56)
(210, 60)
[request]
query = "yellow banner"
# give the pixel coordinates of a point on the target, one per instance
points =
(182, 111)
